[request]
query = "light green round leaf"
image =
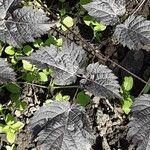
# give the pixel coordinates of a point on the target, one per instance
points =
(82, 99)
(13, 87)
(42, 77)
(128, 83)
(47, 71)
(59, 42)
(13, 61)
(48, 101)
(27, 65)
(127, 103)
(99, 27)
(10, 50)
(17, 126)
(11, 136)
(66, 97)
(59, 97)
(68, 21)
(6, 128)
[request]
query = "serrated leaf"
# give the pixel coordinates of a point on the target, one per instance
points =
(24, 25)
(6, 6)
(66, 63)
(61, 126)
(134, 33)
(106, 11)
(100, 81)
(139, 126)
(6, 73)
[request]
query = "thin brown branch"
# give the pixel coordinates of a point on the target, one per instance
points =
(91, 48)
(137, 8)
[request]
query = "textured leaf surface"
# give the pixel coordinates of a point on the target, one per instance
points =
(6, 73)
(106, 11)
(134, 33)
(24, 25)
(61, 126)
(139, 126)
(66, 63)
(101, 81)
(6, 6)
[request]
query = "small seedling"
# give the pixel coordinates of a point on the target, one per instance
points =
(125, 91)
(60, 97)
(11, 127)
(96, 26)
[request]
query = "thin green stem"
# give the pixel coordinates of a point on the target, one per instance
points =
(47, 87)
(66, 87)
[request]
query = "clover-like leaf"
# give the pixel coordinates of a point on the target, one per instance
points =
(106, 11)
(134, 33)
(24, 25)
(66, 63)
(6, 6)
(139, 126)
(6, 73)
(62, 126)
(100, 81)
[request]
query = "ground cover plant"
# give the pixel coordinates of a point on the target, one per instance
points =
(74, 74)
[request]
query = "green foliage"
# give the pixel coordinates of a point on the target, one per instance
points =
(12, 147)
(13, 88)
(128, 83)
(27, 49)
(68, 21)
(83, 2)
(38, 43)
(82, 98)
(60, 97)
(125, 91)
(53, 40)
(42, 77)
(10, 50)
(11, 127)
(96, 26)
